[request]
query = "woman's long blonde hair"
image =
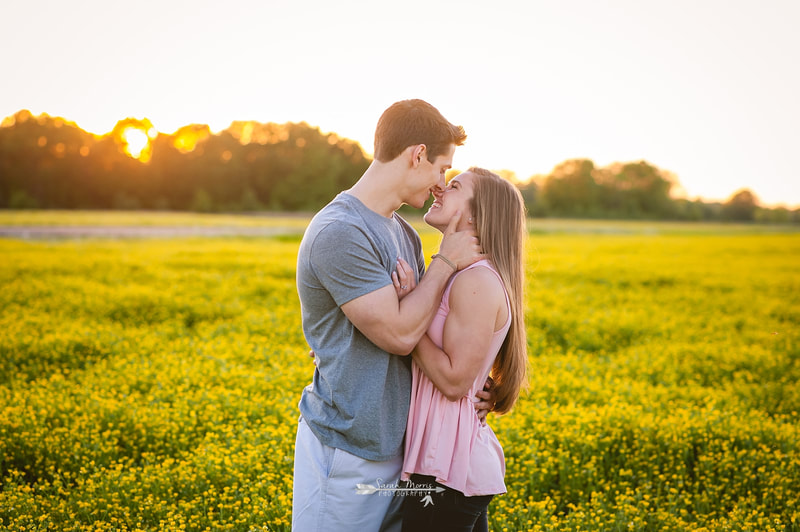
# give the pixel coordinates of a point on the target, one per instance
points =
(500, 221)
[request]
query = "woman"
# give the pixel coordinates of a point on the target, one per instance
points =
(478, 330)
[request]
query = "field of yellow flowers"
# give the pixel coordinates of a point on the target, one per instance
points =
(152, 384)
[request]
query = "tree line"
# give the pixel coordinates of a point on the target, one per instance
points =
(636, 190)
(49, 163)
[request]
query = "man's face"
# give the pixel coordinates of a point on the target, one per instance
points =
(429, 177)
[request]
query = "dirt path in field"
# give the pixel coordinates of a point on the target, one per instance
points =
(32, 232)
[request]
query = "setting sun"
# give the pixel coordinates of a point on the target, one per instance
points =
(135, 137)
(136, 141)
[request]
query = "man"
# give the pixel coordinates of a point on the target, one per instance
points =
(353, 415)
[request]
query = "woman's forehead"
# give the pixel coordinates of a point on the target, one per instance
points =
(463, 178)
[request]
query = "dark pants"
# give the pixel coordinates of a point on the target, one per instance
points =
(447, 511)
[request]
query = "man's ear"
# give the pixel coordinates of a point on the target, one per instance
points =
(418, 152)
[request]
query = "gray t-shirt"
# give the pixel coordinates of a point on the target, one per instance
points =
(359, 397)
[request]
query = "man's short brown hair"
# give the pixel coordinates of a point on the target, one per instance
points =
(411, 122)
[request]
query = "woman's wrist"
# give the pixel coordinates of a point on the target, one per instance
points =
(445, 260)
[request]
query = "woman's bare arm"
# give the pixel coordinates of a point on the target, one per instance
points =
(475, 302)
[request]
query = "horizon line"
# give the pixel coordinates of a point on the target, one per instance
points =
(4, 122)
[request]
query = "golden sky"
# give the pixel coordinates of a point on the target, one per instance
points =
(707, 89)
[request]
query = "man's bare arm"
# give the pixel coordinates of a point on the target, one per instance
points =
(396, 325)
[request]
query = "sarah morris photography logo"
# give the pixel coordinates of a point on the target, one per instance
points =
(408, 489)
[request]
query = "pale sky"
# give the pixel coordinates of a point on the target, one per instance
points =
(706, 89)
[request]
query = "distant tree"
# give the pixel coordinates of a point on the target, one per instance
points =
(778, 215)
(530, 196)
(571, 189)
(740, 207)
(49, 162)
(636, 189)
(314, 168)
(21, 200)
(249, 201)
(202, 202)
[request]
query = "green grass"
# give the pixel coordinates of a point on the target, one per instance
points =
(148, 219)
(300, 220)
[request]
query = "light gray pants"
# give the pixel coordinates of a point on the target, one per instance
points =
(324, 497)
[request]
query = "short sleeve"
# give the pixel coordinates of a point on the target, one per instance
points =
(347, 263)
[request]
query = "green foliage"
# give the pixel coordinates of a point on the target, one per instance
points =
(20, 199)
(631, 190)
(49, 163)
(201, 202)
(153, 384)
(740, 207)
(577, 188)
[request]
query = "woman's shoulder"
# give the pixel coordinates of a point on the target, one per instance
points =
(480, 275)
(482, 268)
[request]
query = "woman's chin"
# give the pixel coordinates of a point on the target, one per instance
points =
(431, 221)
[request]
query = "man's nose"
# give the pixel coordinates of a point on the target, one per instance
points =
(438, 188)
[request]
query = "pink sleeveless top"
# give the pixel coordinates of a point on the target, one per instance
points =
(444, 438)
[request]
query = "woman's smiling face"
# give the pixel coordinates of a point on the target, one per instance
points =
(456, 197)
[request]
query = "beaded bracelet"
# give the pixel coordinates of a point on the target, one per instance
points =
(445, 260)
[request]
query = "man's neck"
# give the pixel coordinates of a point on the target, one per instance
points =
(377, 189)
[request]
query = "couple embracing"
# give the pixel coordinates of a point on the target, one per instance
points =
(404, 355)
